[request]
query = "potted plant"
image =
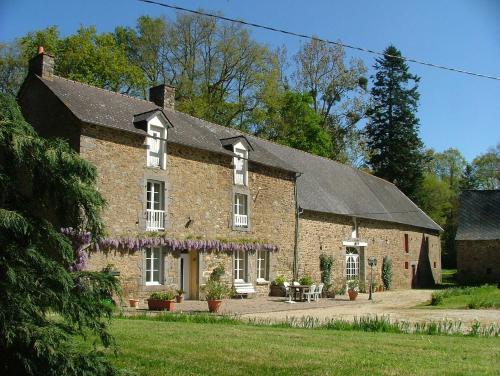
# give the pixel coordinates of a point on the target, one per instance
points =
(277, 286)
(353, 288)
(180, 296)
(306, 281)
(215, 291)
(134, 303)
(159, 301)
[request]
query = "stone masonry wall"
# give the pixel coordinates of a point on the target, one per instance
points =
(198, 194)
(324, 233)
(478, 261)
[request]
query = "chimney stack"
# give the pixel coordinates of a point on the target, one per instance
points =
(42, 64)
(163, 96)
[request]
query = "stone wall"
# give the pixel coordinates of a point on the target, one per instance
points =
(324, 233)
(198, 191)
(478, 261)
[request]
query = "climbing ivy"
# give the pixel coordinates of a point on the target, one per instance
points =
(325, 265)
(387, 272)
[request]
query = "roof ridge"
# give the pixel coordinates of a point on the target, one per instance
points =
(102, 89)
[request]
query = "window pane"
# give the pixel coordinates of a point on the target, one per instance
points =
(156, 276)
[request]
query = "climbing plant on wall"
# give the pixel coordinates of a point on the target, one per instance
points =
(387, 272)
(325, 265)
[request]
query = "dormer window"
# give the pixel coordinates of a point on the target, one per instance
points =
(156, 146)
(240, 164)
(354, 230)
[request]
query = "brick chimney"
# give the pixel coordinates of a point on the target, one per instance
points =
(42, 64)
(163, 96)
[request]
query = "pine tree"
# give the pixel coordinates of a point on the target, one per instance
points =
(392, 130)
(46, 186)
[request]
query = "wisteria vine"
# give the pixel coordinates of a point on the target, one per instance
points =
(83, 240)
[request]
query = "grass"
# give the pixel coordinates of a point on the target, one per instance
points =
(203, 346)
(487, 296)
(449, 277)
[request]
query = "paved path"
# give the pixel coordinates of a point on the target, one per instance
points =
(399, 305)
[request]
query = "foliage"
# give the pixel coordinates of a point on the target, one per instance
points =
(180, 292)
(306, 280)
(297, 125)
(325, 265)
(387, 272)
(162, 295)
(486, 296)
(216, 290)
(353, 284)
(279, 280)
(392, 130)
(217, 273)
(447, 166)
(44, 186)
(436, 199)
(487, 168)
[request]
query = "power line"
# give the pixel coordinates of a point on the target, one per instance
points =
(305, 36)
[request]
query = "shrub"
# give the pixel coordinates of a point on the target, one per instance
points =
(353, 284)
(325, 265)
(279, 281)
(217, 273)
(216, 290)
(387, 272)
(306, 280)
(164, 295)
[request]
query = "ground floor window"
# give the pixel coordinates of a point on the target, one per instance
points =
(240, 266)
(262, 266)
(352, 263)
(154, 266)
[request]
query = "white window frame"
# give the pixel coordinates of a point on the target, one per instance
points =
(155, 205)
(151, 265)
(240, 266)
(352, 263)
(157, 135)
(240, 210)
(262, 266)
(240, 164)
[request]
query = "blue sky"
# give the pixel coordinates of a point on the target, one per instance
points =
(455, 110)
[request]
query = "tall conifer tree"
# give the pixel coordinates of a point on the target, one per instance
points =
(392, 130)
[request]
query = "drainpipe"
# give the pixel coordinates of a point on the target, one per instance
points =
(296, 243)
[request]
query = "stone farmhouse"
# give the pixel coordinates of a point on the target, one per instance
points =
(478, 236)
(165, 172)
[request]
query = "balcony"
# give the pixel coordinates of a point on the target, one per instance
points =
(155, 220)
(239, 178)
(240, 220)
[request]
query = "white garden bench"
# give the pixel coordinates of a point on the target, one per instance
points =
(244, 289)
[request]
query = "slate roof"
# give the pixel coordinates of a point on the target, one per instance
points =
(324, 185)
(479, 215)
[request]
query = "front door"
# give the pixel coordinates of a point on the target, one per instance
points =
(184, 276)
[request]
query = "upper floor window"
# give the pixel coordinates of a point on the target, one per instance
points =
(155, 206)
(156, 146)
(240, 210)
(154, 266)
(354, 229)
(240, 164)
(262, 266)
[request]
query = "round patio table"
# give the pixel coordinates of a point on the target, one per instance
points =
(299, 291)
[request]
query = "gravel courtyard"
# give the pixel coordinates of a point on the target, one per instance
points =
(398, 305)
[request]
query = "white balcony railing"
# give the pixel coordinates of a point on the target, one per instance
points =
(239, 178)
(241, 220)
(155, 220)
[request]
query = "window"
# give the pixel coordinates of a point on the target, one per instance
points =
(435, 264)
(406, 244)
(240, 165)
(156, 147)
(155, 212)
(154, 266)
(240, 266)
(352, 263)
(262, 266)
(406, 264)
(240, 210)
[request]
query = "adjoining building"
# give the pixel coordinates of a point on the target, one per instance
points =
(274, 209)
(478, 236)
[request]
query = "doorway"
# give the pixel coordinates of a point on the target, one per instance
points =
(188, 277)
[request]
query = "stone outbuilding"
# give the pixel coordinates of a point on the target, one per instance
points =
(185, 195)
(478, 236)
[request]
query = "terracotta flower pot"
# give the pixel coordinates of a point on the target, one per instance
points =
(134, 303)
(352, 294)
(179, 298)
(214, 305)
(161, 305)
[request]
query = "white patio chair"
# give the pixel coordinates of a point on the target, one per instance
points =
(288, 292)
(310, 293)
(319, 291)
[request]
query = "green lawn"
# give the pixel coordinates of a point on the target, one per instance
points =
(487, 296)
(174, 348)
(449, 277)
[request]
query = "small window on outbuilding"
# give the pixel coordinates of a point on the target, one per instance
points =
(406, 244)
(406, 264)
